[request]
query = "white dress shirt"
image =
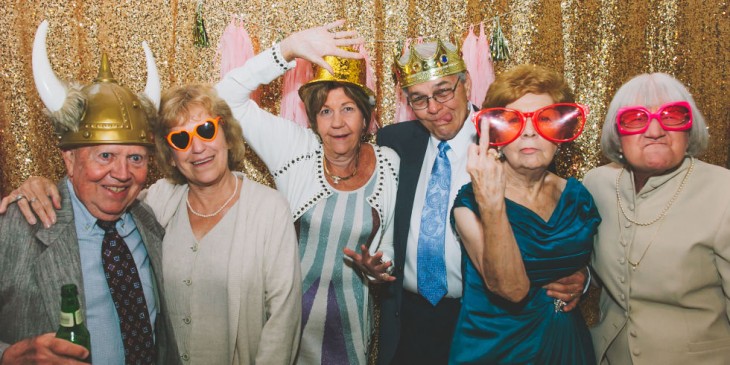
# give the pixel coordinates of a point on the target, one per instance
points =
(459, 177)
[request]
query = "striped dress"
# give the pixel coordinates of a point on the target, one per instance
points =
(335, 311)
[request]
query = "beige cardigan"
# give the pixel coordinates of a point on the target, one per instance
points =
(264, 278)
(674, 307)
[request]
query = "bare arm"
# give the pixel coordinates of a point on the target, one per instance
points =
(489, 241)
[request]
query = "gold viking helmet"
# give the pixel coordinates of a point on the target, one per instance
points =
(102, 112)
(418, 68)
(346, 70)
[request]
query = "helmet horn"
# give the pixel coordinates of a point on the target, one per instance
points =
(152, 89)
(52, 91)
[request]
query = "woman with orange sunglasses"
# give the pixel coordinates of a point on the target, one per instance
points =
(522, 227)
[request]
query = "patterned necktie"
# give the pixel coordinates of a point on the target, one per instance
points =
(126, 290)
(431, 267)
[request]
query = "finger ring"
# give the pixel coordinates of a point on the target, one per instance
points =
(572, 295)
(18, 197)
(384, 275)
(32, 200)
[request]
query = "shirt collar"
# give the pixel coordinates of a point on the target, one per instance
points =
(87, 223)
(461, 141)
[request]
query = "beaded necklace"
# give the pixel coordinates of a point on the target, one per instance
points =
(659, 218)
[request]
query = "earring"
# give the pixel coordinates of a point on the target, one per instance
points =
(500, 153)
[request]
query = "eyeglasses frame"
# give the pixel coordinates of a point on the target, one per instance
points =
(625, 132)
(451, 91)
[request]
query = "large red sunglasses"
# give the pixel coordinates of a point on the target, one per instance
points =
(559, 123)
(674, 116)
(182, 139)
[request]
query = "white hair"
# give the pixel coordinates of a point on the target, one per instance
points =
(651, 90)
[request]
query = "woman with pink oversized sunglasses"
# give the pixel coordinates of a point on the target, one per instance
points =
(662, 252)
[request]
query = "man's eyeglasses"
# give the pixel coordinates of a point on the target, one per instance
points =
(419, 102)
(674, 116)
(562, 122)
(182, 139)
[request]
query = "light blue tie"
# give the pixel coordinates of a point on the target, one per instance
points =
(431, 267)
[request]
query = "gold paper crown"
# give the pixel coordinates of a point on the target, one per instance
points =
(346, 70)
(112, 114)
(419, 68)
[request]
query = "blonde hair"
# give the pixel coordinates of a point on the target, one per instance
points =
(175, 109)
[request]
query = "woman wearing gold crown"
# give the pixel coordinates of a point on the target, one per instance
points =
(341, 189)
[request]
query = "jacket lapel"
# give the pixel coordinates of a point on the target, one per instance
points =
(412, 154)
(60, 262)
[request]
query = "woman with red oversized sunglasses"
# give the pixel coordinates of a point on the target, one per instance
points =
(523, 228)
(559, 123)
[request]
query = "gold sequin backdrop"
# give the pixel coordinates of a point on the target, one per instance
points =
(598, 44)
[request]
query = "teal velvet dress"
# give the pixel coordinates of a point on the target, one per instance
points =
(492, 330)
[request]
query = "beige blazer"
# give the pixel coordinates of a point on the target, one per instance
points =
(673, 307)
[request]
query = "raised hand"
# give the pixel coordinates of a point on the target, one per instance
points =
(371, 265)
(36, 195)
(486, 170)
(314, 43)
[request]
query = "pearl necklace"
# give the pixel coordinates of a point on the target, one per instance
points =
(336, 179)
(666, 208)
(659, 219)
(201, 215)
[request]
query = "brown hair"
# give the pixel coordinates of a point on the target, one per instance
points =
(315, 95)
(175, 109)
(525, 79)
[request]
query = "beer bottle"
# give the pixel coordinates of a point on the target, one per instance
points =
(72, 326)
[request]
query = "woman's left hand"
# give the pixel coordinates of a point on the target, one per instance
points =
(371, 265)
(568, 289)
(314, 43)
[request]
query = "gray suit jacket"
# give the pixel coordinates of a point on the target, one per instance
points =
(35, 262)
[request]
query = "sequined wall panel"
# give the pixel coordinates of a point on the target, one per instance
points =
(597, 44)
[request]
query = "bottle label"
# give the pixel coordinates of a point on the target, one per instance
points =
(70, 319)
(67, 319)
(79, 317)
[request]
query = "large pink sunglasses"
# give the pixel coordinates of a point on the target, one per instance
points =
(674, 116)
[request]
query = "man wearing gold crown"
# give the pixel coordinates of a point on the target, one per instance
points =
(420, 309)
(104, 241)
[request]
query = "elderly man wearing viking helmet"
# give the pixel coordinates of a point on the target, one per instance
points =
(104, 240)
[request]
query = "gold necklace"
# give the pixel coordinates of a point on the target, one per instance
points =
(660, 218)
(336, 179)
(666, 208)
(651, 241)
(201, 215)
